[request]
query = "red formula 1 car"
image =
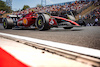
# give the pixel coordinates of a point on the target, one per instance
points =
(41, 21)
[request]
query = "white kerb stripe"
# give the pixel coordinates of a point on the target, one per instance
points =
(78, 49)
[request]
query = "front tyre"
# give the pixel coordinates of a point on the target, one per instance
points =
(68, 27)
(8, 23)
(42, 22)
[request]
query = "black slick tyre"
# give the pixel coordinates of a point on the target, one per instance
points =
(42, 22)
(67, 27)
(8, 23)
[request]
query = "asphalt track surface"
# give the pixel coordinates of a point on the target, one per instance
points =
(81, 36)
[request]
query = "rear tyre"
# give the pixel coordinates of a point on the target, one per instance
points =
(42, 22)
(8, 23)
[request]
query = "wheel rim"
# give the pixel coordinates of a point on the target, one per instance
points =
(40, 23)
(5, 25)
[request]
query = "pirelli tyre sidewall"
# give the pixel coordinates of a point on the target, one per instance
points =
(42, 22)
(8, 23)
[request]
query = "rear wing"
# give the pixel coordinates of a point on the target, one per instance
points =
(14, 16)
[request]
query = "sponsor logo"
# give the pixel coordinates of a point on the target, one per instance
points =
(25, 22)
(51, 22)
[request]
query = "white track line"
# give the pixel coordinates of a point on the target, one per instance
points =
(78, 49)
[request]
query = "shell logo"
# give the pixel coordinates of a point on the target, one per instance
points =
(25, 21)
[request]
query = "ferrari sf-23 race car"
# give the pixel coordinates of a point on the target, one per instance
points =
(41, 21)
